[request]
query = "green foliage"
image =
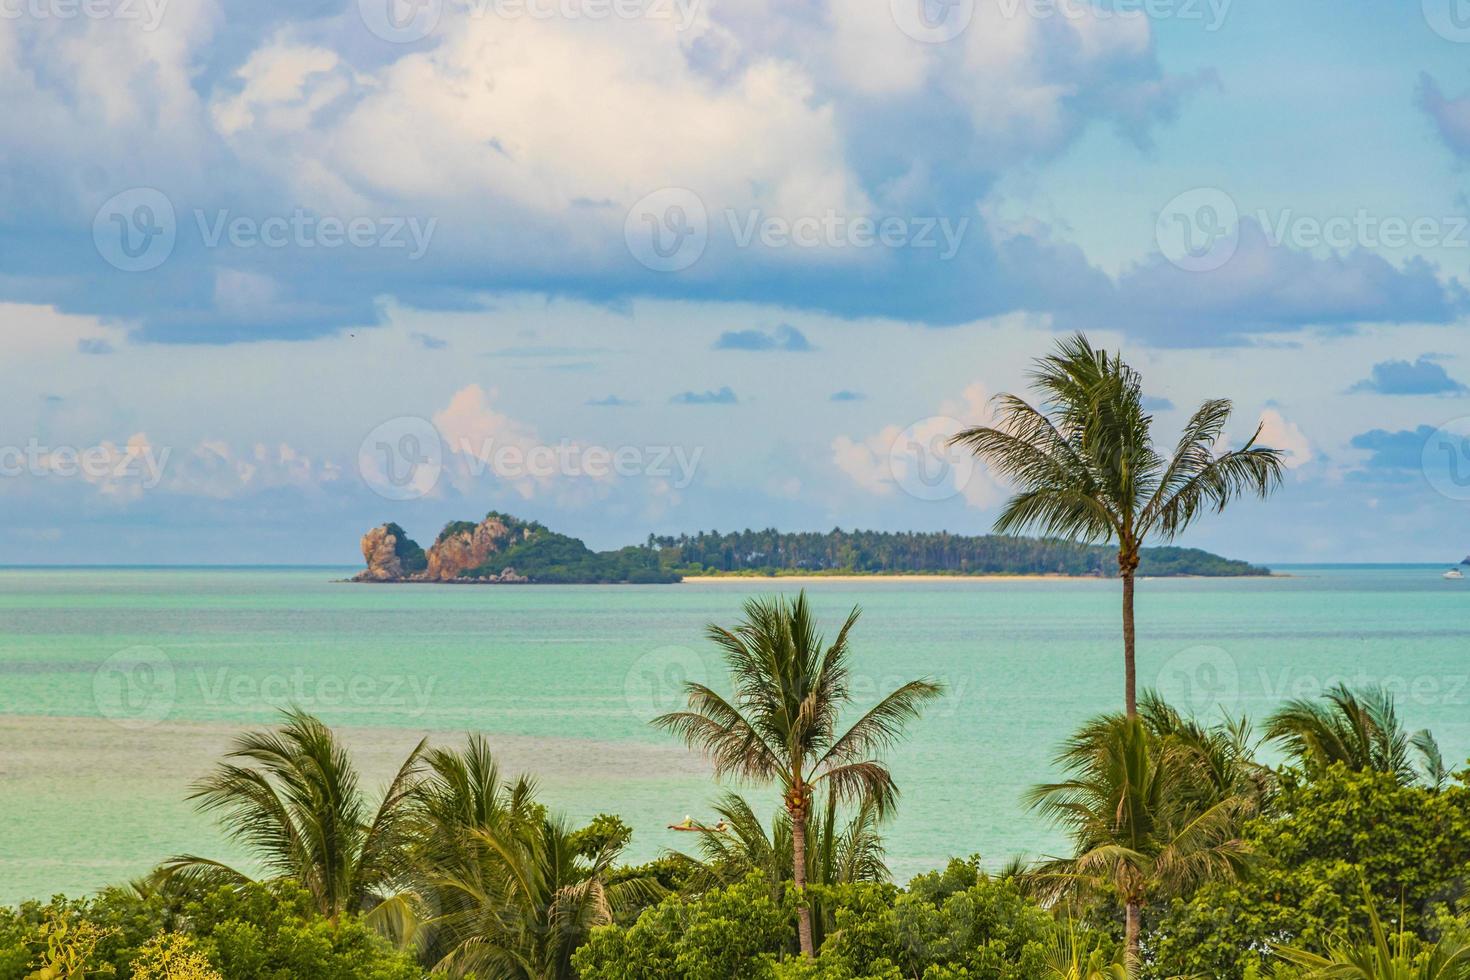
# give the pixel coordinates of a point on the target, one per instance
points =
(411, 557)
(771, 552)
(1360, 730)
(273, 932)
(955, 923)
(258, 932)
(291, 795)
(1377, 957)
(1313, 846)
(546, 556)
(737, 931)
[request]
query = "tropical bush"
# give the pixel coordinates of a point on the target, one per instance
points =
(1322, 835)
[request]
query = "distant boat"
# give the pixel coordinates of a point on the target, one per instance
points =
(1453, 573)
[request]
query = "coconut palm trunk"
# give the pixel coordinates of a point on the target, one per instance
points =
(797, 808)
(1127, 567)
(1130, 938)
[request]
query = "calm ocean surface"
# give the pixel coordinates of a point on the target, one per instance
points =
(119, 686)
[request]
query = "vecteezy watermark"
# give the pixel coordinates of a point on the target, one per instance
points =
(657, 682)
(1203, 680)
(1199, 230)
(932, 21)
(135, 688)
(302, 229)
(1200, 679)
(137, 231)
(924, 464)
(401, 21)
(408, 21)
(669, 230)
(139, 687)
(1210, 13)
(404, 458)
(1363, 229)
(1450, 19)
(1446, 458)
(131, 461)
(147, 13)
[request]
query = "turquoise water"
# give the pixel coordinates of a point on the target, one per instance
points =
(118, 686)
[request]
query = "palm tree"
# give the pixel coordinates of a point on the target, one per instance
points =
(1085, 465)
(1143, 819)
(1360, 730)
(293, 799)
(1378, 958)
(782, 724)
(509, 891)
(1223, 754)
(838, 852)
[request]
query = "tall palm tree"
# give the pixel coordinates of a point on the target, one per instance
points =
(292, 798)
(1143, 825)
(508, 892)
(782, 724)
(1359, 729)
(1404, 957)
(839, 851)
(1085, 465)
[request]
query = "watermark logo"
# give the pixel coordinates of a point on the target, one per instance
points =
(924, 464)
(668, 230)
(303, 230)
(135, 231)
(1210, 13)
(402, 459)
(1363, 229)
(400, 21)
(932, 21)
(1199, 680)
(833, 229)
(148, 13)
(656, 683)
(1446, 459)
(135, 688)
(1199, 230)
(1450, 19)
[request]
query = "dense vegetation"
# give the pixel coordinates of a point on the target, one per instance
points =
(411, 557)
(771, 552)
(546, 556)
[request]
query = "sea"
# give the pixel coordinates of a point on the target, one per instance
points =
(120, 687)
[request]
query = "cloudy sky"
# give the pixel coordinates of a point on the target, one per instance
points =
(273, 272)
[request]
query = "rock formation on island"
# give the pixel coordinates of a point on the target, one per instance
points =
(501, 549)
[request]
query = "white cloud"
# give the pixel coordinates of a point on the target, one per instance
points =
(916, 459)
(1277, 432)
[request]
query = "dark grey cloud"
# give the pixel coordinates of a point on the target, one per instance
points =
(1396, 451)
(1152, 404)
(429, 341)
(1451, 117)
(1421, 377)
(611, 401)
(784, 338)
(724, 396)
(847, 396)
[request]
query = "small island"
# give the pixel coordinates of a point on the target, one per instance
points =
(506, 550)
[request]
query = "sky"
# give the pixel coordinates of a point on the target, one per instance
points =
(273, 273)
